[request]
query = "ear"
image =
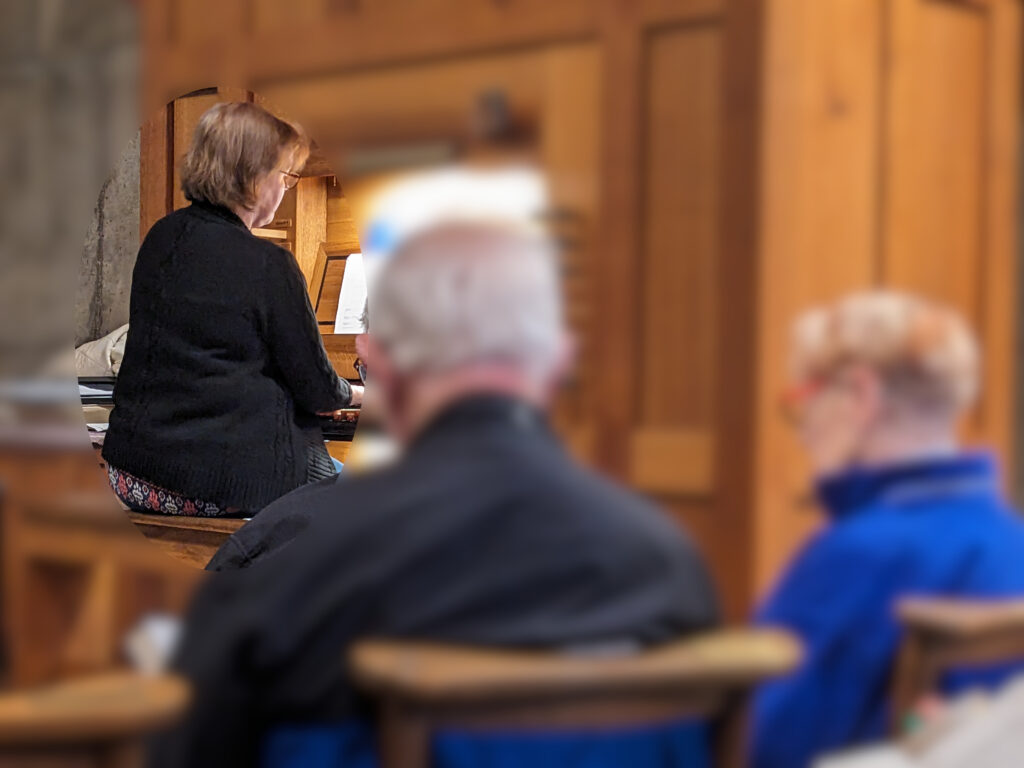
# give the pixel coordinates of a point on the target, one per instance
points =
(868, 390)
(566, 357)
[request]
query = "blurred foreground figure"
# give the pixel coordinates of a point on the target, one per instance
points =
(483, 532)
(881, 381)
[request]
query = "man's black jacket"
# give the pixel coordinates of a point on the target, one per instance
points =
(485, 532)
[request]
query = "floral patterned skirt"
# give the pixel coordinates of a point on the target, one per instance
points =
(143, 496)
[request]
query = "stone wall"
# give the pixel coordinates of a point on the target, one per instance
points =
(68, 110)
(111, 244)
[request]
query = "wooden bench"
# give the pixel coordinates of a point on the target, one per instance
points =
(193, 540)
(77, 577)
(941, 635)
(422, 687)
(94, 722)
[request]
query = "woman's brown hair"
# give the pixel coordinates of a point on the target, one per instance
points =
(235, 146)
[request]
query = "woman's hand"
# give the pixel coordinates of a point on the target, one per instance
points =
(357, 395)
(355, 402)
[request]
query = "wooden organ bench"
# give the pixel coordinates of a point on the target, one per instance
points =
(193, 540)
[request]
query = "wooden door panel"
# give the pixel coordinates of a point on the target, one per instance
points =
(670, 446)
(680, 228)
(936, 116)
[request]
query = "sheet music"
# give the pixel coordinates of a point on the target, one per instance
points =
(352, 299)
(84, 389)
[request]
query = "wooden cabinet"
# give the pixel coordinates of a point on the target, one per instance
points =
(889, 158)
(728, 163)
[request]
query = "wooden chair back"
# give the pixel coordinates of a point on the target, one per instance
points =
(420, 687)
(943, 634)
(94, 722)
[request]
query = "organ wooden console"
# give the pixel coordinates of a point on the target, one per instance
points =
(730, 162)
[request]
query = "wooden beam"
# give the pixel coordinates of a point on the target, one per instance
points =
(376, 34)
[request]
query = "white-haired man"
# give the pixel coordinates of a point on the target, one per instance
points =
(484, 531)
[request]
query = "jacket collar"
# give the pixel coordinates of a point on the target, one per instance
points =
(482, 411)
(208, 210)
(957, 476)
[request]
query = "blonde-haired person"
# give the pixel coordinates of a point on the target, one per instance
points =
(880, 381)
(224, 371)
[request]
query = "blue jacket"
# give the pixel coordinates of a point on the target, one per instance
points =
(938, 527)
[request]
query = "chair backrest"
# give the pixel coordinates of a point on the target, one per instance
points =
(97, 721)
(421, 687)
(943, 634)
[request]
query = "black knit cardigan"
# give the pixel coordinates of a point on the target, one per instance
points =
(224, 368)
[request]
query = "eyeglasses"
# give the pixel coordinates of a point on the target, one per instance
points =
(794, 400)
(290, 179)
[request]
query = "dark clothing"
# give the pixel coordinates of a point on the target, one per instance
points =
(484, 532)
(939, 527)
(224, 368)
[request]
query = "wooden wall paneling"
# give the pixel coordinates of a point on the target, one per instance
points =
(680, 216)
(285, 218)
(395, 32)
(673, 462)
(425, 101)
(198, 22)
(662, 13)
(156, 35)
(619, 231)
(828, 169)
(668, 460)
(737, 312)
(667, 448)
(155, 162)
(570, 139)
(935, 148)
(269, 16)
(671, 442)
(341, 222)
(350, 207)
(818, 234)
(952, 127)
(310, 221)
(186, 113)
(1000, 318)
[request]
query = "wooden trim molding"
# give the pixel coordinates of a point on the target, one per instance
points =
(673, 461)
